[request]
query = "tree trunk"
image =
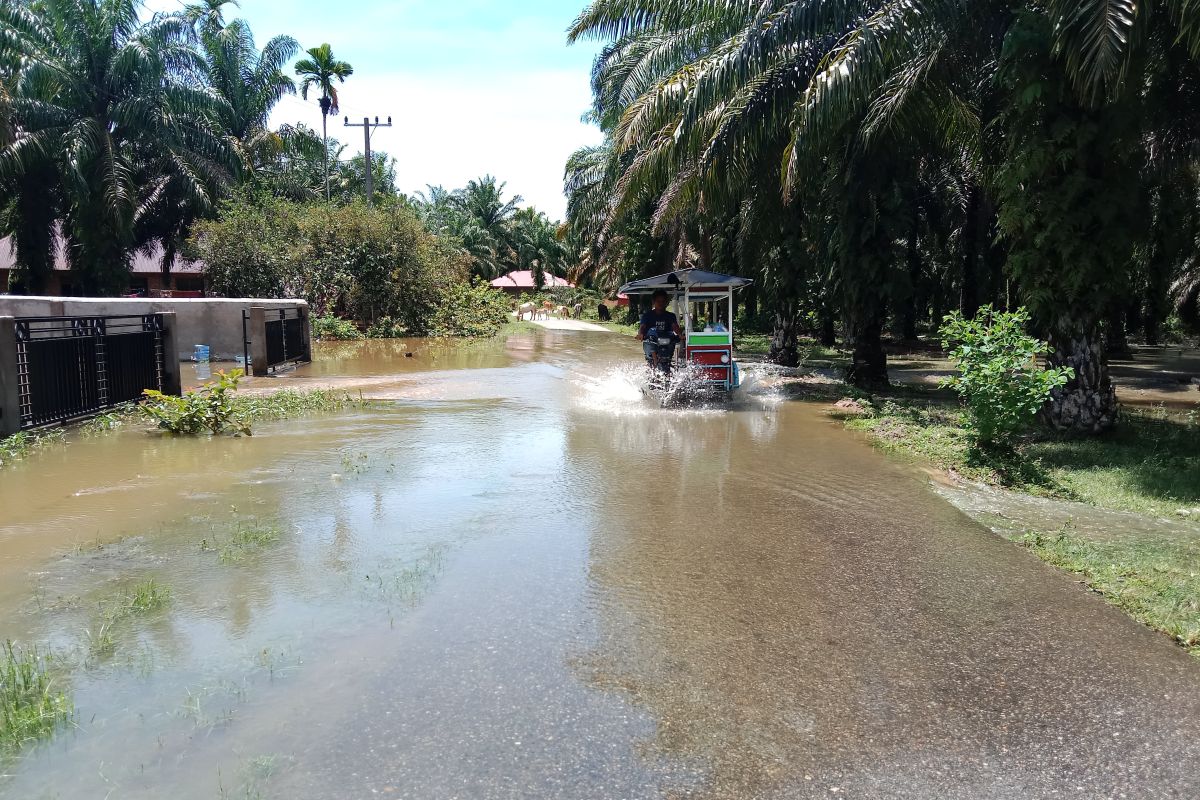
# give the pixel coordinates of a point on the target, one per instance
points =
(785, 349)
(1088, 403)
(908, 327)
(750, 299)
(968, 301)
(828, 331)
(325, 147)
(1116, 339)
(868, 365)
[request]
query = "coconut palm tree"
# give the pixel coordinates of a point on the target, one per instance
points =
(113, 120)
(320, 71)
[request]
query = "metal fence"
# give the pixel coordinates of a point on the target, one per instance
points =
(286, 338)
(70, 367)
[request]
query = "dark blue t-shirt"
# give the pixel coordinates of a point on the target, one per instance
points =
(659, 325)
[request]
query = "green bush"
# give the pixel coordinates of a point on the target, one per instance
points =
(387, 328)
(331, 327)
(470, 309)
(210, 409)
(353, 262)
(999, 377)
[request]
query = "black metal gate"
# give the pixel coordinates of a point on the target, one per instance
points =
(286, 339)
(69, 367)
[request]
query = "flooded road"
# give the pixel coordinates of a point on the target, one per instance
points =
(519, 580)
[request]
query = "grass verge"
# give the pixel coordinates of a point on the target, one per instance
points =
(1155, 580)
(1149, 465)
(31, 705)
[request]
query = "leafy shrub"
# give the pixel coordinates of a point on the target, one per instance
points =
(387, 328)
(331, 327)
(469, 309)
(211, 408)
(358, 263)
(999, 377)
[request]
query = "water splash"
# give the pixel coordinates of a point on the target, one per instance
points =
(626, 389)
(616, 389)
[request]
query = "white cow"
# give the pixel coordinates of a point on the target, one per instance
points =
(527, 308)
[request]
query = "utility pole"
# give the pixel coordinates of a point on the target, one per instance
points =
(368, 127)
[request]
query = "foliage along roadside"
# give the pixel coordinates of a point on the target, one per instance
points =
(217, 409)
(286, 404)
(1153, 579)
(375, 267)
(999, 378)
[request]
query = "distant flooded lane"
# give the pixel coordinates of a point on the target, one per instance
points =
(522, 580)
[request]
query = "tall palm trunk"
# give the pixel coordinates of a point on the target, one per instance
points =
(1088, 403)
(325, 145)
(785, 349)
(868, 362)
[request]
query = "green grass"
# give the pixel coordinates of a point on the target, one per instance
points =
(1155, 580)
(31, 705)
(1149, 465)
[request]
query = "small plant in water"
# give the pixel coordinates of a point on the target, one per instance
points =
(148, 596)
(211, 409)
(246, 538)
(999, 377)
(31, 706)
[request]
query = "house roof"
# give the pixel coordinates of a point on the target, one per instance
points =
(140, 264)
(523, 279)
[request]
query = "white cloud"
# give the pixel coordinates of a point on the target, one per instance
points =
(520, 128)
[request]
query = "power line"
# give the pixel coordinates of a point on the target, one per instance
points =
(368, 128)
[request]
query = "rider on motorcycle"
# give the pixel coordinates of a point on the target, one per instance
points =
(658, 326)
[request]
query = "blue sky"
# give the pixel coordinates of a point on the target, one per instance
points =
(472, 87)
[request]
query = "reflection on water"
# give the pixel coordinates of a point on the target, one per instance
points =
(526, 580)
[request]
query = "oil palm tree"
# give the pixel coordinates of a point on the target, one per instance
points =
(320, 70)
(483, 202)
(701, 97)
(113, 120)
(251, 82)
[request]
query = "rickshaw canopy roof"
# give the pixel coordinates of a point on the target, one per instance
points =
(694, 280)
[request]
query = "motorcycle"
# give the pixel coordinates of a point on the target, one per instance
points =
(660, 358)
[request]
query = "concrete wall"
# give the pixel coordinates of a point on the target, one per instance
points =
(216, 323)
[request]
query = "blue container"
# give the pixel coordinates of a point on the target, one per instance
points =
(201, 354)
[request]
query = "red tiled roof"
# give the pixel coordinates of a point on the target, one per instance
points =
(523, 279)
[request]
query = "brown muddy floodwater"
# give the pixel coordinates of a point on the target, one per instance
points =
(519, 580)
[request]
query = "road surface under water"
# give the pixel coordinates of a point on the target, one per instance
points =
(520, 580)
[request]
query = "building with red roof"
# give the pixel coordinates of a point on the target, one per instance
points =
(521, 281)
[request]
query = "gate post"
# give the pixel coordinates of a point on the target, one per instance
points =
(259, 367)
(171, 377)
(10, 394)
(306, 326)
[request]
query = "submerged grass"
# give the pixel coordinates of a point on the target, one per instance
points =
(140, 599)
(282, 405)
(21, 445)
(31, 705)
(290, 403)
(246, 539)
(1155, 580)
